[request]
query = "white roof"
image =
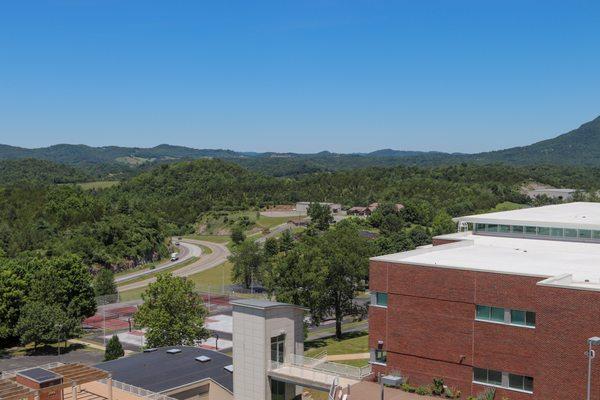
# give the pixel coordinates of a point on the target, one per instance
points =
(557, 263)
(582, 215)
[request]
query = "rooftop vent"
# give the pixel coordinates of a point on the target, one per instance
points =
(228, 368)
(203, 359)
(150, 350)
(173, 351)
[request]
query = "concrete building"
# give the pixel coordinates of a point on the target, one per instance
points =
(302, 207)
(509, 305)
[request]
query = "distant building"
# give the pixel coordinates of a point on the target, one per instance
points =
(302, 207)
(509, 305)
(368, 210)
(553, 193)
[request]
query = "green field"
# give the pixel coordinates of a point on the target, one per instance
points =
(214, 277)
(97, 185)
(363, 362)
(271, 222)
(351, 343)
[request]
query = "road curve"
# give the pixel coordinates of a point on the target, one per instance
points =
(218, 255)
(186, 251)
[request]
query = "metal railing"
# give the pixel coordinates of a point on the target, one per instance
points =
(320, 365)
(138, 391)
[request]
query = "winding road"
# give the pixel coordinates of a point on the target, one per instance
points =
(189, 248)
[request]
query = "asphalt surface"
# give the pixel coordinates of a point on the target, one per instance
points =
(218, 255)
(275, 231)
(186, 251)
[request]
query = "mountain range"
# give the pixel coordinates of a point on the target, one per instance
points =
(580, 146)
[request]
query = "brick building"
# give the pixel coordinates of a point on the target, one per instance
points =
(509, 304)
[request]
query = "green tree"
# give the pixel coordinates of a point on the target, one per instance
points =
(114, 349)
(66, 282)
(442, 224)
(419, 236)
(325, 273)
(104, 284)
(286, 242)
(12, 294)
(270, 247)
(320, 216)
(42, 323)
(172, 312)
(237, 235)
(247, 259)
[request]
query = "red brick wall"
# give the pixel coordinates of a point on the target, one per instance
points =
(429, 329)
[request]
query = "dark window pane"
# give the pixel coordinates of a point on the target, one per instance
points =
(517, 317)
(530, 230)
(382, 299)
(571, 233)
(504, 228)
(530, 318)
(381, 356)
(515, 381)
(497, 314)
(595, 234)
(585, 234)
(491, 228)
(494, 377)
(542, 231)
(480, 227)
(479, 375)
(517, 229)
(483, 312)
(528, 383)
(556, 232)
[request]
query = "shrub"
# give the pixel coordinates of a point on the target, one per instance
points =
(423, 390)
(438, 387)
(114, 349)
(408, 388)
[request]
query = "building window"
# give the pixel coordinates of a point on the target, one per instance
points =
(487, 376)
(480, 227)
(491, 228)
(504, 228)
(517, 229)
(503, 379)
(488, 313)
(530, 230)
(278, 348)
(584, 234)
(556, 232)
(277, 390)
(381, 356)
(543, 231)
(381, 299)
(520, 382)
(524, 318)
(572, 233)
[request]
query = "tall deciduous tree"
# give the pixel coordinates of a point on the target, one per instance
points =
(172, 313)
(104, 284)
(42, 323)
(12, 295)
(324, 273)
(247, 259)
(320, 216)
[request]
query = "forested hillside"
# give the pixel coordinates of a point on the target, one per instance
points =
(39, 171)
(130, 222)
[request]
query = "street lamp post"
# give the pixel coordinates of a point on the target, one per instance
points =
(591, 354)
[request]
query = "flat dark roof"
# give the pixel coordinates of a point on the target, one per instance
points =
(159, 371)
(39, 375)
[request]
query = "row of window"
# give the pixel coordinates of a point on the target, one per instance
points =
(520, 230)
(503, 379)
(505, 316)
(380, 299)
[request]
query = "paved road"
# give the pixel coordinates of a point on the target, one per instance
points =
(275, 231)
(218, 255)
(186, 251)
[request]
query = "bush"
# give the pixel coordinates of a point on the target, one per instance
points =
(408, 388)
(423, 390)
(438, 387)
(114, 349)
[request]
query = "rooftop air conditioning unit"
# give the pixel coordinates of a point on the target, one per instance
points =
(174, 351)
(203, 359)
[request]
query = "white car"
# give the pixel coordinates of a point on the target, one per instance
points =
(174, 256)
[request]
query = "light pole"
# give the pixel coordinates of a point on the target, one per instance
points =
(591, 354)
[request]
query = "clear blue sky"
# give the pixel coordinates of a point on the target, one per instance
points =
(297, 75)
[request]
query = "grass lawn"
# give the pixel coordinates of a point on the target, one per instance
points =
(47, 349)
(97, 184)
(132, 294)
(363, 362)
(507, 206)
(209, 238)
(271, 222)
(141, 267)
(351, 343)
(214, 277)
